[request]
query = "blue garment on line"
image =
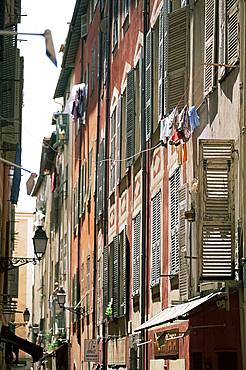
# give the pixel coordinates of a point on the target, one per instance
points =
(194, 118)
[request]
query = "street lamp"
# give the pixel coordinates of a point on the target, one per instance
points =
(35, 329)
(26, 316)
(39, 241)
(61, 299)
(50, 50)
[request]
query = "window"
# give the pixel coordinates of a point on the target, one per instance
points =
(75, 206)
(126, 7)
(65, 255)
(156, 239)
(82, 189)
(174, 184)
(121, 138)
(93, 67)
(88, 194)
(216, 205)
(136, 255)
(112, 151)
(99, 288)
(100, 179)
(130, 119)
(115, 25)
(105, 280)
(221, 38)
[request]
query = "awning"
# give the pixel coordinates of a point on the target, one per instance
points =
(35, 351)
(176, 312)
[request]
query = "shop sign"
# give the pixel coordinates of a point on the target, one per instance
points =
(117, 351)
(91, 350)
(166, 345)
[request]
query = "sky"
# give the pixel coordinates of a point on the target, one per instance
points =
(40, 80)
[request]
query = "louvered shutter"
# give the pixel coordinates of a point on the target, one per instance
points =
(222, 37)
(217, 224)
(81, 190)
(93, 67)
(89, 176)
(174, 184)
(130, 119)
(140, 96)
(74, 208)
(105, 281)
(136, 256)
(116, 279)
(112, 151)
(73, 297)
(119, 130)
(115, 28)
(88, 279)
(210, 38)
(100, 178)
(183, 242)
(156, 240)
(99, 303)
(124, 272)
(84, 187)
(177, 57)
(148, 84)
(82, 281)
(233, 31)
(162, 62)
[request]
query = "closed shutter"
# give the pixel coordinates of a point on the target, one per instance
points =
(105, 282)
(100, 178)
(141, 96)
(84, 187)
(148, 84)
(222, 37)
(81, 190)
(116, 277)
(174, 184)
(125, 273)
(89, 177)
(162, 62)
(156, 240)
(130, 119)
(99, 282)
(93, 67)
(74, 209)
(112, 151)
(119, 129)
(136, 256)
(115, 31)
(183, 242)
(88, 280)
(83, 281)
(233, 31)
(210, 39)
(217, 224)
(177, 57)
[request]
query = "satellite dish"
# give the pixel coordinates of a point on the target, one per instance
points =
(104, 25)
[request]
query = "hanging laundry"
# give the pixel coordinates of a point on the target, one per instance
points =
(184, 124)
(176, 138)
(173, 122)
(194, 118)
(184, 149)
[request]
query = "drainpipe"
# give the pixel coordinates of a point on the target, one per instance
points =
(144, 208)
(106, 146)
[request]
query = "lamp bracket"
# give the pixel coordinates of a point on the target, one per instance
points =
(9, 263)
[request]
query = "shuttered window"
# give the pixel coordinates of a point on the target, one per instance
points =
(99, 287)
(136, 255)
(82, 281)
(105, 281)
(82, 189)
(177, 57)
(140, 98)
(130, 119)
(88, 280)
(217, 224)
(210, 41)
(119, 129)
(88, 193)
(183, 242)
(162, 61)
(148, 84)
(100, 179)
(93, 67)
(174, 184)
(156, 239)
(112, 151)
(115, 29)
(116, 277)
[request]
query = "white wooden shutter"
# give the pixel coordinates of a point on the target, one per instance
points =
(148, 84)
(130, 119)
(210, 38)
(183, 242)
(156, 240)
(222, 37)
(136, 255)
(233, 31)
(174, 184)
(217, 224)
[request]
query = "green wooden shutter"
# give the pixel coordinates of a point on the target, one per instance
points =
(88, 194)
(84, 187)
(183, 242)
(210, 38)
(119, 130)
(174, 184)
(99, 282)
(233, 31)
(177, 57)
(216, 202)
(162, 62)
(116, 277)
(156, 240)
(130, 119)
(105, 281)
(148, 84)
(136, 255)
(125, 272)
(112, 151)
(100, 178)
(140, 96)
